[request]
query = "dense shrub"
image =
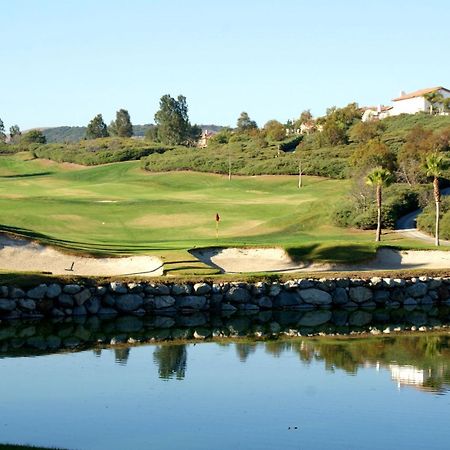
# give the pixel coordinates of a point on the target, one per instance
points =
(427, 220)
(291, 144)
(97, 151)
(398, 201)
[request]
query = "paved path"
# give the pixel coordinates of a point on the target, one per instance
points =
(408, 227)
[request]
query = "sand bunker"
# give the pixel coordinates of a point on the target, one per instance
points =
(20, 255)
(239, 260)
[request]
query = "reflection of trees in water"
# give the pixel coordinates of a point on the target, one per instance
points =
(244, 350)
(171, 360)
(121, 354)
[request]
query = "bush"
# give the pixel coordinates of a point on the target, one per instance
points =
(427, 220)
(398, 201)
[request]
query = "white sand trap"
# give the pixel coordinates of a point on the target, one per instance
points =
(238, 260)
(21, 255)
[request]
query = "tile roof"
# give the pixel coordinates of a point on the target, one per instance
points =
(419, 93)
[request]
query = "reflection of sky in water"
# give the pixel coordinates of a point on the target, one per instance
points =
(215, 396)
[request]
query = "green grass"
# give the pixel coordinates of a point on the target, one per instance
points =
(119, 209)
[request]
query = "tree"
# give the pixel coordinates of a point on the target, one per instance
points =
(244, 123)
(379, 178)
(434, 165)
(370, 155)
(152, 134)
(172, 120)
(305, 117)
(434, 99)
(2, 131)
(363, 132)
(34, 137)
(275, 130)
(97, 128)
(14, 132)
(122, 126)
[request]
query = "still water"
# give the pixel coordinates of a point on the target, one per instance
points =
(368, 393)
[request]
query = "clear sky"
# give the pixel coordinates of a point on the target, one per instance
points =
(63, 61)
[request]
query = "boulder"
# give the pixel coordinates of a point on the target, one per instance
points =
(53, 290)
(418, 289)
(315, 296)
(287, 299)
(163, 301)
(93, 305)
(202, 288)
(16, 293)
(157, 289)
(71, 289)
(3, 291)
(82, 296)
(105, 311)
(315, 318)
(381, 296)
(128, 302)
(340, 296)
(79, 311)
(38, 292)
(360, 294)
(191, 301)
(181, 289)
(118, 288)
(238, 295)
(264, 302)
(7, 305)
(27, 304)
(65, 300)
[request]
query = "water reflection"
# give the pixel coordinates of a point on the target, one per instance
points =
(171, 360)
(419, 361)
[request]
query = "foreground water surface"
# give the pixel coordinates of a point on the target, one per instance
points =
(302, 393)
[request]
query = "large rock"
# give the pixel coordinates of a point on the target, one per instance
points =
(71, 289)
(65, 300)
(238, 295)
(3, 291)
(287, 299)
(191, 301)
(27, 304)
(315, 296)
(82, 296)
(163, 301)
(53, 290)
(360, 318)
(315, 318)
(381, 296)
(38, 292)
(118, 288)
(181, 289)
(360, 294)
(128, 302)
(340, 296)
(93, 305)
(157, 289)
(16, 293)
(202, 288)
(7, 305)
(264, 302)
(417, 289)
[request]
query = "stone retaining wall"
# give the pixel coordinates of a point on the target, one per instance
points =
(116, 298)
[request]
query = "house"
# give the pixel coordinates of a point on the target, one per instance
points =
(204, 138)
(416, 101)
(375, 112)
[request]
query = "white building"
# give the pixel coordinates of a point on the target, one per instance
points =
(415, 102)
(375, 113)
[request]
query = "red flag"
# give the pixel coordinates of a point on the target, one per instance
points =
(217, 217)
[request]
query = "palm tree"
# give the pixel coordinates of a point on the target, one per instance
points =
(434, 165)
(434, 98)
(380, 178)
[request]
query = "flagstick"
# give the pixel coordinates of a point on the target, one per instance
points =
(299, 174)
(217, 230)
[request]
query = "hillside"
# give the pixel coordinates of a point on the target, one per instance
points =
(68, 134)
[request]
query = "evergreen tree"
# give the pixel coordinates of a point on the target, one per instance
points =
(14, 132)
(97, 128)
(172, 120)
(244, 123)
(2, 131)
(122, 126)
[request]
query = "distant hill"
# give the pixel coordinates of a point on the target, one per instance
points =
(75, 134)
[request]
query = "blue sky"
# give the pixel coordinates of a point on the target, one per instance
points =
(63, 61)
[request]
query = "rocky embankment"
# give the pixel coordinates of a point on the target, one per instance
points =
(116, 298)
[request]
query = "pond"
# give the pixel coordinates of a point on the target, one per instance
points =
(299, 393)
